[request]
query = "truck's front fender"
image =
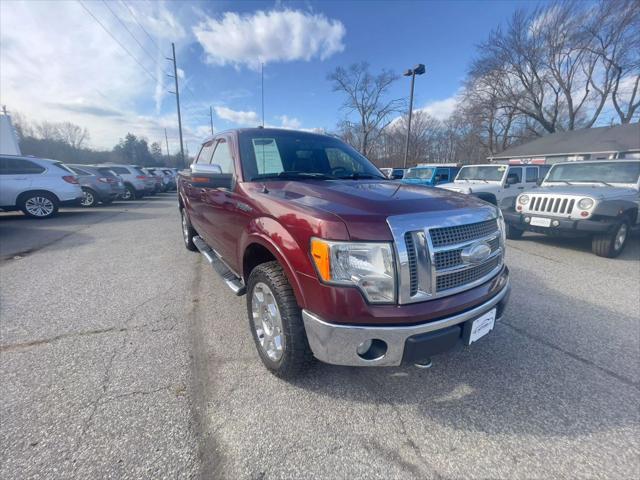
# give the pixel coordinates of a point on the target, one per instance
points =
(270, 234)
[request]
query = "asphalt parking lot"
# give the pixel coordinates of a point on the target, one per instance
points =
(123, 356)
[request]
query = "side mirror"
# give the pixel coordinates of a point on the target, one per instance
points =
(206, 168)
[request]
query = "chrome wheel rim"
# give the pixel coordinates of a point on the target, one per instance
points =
(39, 206)
(185, 228)
(87, 199)
(621, 236)
(267, 321)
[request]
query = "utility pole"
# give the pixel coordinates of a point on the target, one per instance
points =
(166, 139)
(211, 117)
(418, 70)
(262, 90)
(177, 94)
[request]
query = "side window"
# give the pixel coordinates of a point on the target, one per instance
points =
(4, 166)
(532, 174)
(205, 153)
(24, 167)
(222, 157)
(515, 172)
(442, 175)
(79, 171)
(543, 170)
(119, 170)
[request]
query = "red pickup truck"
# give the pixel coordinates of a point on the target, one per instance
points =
(338, 262)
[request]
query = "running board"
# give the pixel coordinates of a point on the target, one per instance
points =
(230, 278)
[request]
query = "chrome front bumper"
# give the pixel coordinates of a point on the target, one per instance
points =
(337, 344)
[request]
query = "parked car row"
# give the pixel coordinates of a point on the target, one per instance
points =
(39, 187)
(595, 199)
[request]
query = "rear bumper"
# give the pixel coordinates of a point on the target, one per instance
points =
(564, 225)
(337, 344)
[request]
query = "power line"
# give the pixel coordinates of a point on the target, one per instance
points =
(129, 31)
(152, 76)
(135, 19)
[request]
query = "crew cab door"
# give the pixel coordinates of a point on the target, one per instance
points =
(194, 186)
(223, 219)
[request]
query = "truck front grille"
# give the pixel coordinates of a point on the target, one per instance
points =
(441, 237)
(456, 279)
(453, 258)
(560, 205)
(430, 252)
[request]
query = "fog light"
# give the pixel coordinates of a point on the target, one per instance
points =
(364, 347)
(527, 219)
(519, 208)
(373, 349)
(555, 223)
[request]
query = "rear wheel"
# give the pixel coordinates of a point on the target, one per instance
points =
(612, 244)
(276, 322)
(39, 205)
(513, 233)
(89, 198)
(187, 232)
(129, 193)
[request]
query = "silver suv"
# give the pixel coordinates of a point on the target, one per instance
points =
(597, 199)
(136, 183)
(37, 186)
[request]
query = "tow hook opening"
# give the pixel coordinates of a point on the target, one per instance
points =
(372, 349)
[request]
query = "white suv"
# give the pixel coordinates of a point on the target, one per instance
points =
(37, 186)
(496, 183)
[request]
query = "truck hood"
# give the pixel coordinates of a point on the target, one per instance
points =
(365, 205)
(597, 192)
(475, 185)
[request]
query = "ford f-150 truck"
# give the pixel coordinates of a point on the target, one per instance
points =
(336, 261)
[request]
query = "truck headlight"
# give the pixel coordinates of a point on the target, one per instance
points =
(523, 199)
(368, 266)
(503, 231)
(585, 203)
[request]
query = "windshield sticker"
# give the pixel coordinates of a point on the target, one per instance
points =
(267, 156)
(502, 168)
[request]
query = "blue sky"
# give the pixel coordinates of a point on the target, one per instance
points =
(73, 70)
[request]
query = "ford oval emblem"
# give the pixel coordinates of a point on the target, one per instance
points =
(476, 253)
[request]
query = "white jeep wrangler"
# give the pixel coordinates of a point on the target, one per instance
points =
(599, 199)
(495, 183)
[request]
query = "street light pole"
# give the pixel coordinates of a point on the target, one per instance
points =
(418, 70)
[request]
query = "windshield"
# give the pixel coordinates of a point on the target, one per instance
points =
(489, 173)
(619, 172)
(283, 154)
(422, 173)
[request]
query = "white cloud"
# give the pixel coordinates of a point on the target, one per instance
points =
(441, 109)
(289, 122)
(238, 117)
(273, 36)
(70, 69)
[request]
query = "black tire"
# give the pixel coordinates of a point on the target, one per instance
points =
(513, 233)
(187, 232)
(610, 245)
(39, 205)
(89, 198)
(129, 193)
(296, 355)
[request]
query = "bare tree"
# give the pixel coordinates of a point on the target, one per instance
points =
(558, 65)
(615, 40)
(47, 131)
(72, 134)
(365, 96)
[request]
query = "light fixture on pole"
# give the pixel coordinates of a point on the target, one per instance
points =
(417, 70)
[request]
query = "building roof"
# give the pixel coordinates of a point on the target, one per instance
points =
(619, 138)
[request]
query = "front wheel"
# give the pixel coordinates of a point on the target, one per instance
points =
(610, 245)
(39, 205)
(513, 233)
(276, 322)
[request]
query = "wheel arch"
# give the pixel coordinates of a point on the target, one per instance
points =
(21, 197)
